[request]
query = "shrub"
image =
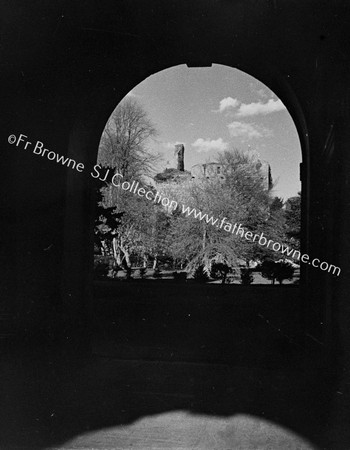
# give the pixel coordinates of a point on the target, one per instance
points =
(231, 278)
(200, 275)
(284, 271)
(268, 270)
(276, 271)
(180, 276)
(246, 276)
(142, 272)
(157, 273)
(220, 271)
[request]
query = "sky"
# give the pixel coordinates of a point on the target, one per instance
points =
(212, 109)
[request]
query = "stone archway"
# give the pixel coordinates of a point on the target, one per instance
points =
(64, 70)
(83, 146)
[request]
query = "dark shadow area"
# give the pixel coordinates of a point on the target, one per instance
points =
(228, 360)
(65, 67)
(189, 321)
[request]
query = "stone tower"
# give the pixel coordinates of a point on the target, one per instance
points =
(179, 157)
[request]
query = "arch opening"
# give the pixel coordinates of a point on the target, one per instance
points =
(251, 116)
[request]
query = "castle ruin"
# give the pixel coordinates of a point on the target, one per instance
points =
(178, 174)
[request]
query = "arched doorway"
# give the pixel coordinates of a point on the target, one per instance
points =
(244, 104)
(97, 58)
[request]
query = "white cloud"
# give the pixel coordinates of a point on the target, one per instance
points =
(253, 109)
(206, 145)
(248, 130)
(227, 103)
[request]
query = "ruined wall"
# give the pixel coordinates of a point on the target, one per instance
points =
(219, 171)
(209, 171)
(179, 156)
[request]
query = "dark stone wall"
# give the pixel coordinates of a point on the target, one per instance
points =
(179, 154)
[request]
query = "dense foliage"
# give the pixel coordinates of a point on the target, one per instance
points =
(131, 228)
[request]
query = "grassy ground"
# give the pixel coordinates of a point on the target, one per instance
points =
(168, 274)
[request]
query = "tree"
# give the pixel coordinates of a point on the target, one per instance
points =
(124, 146)
(125, 141)
(274, 228)
(155, 238)
(239, 198)
(293, 220)
(135, 227)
